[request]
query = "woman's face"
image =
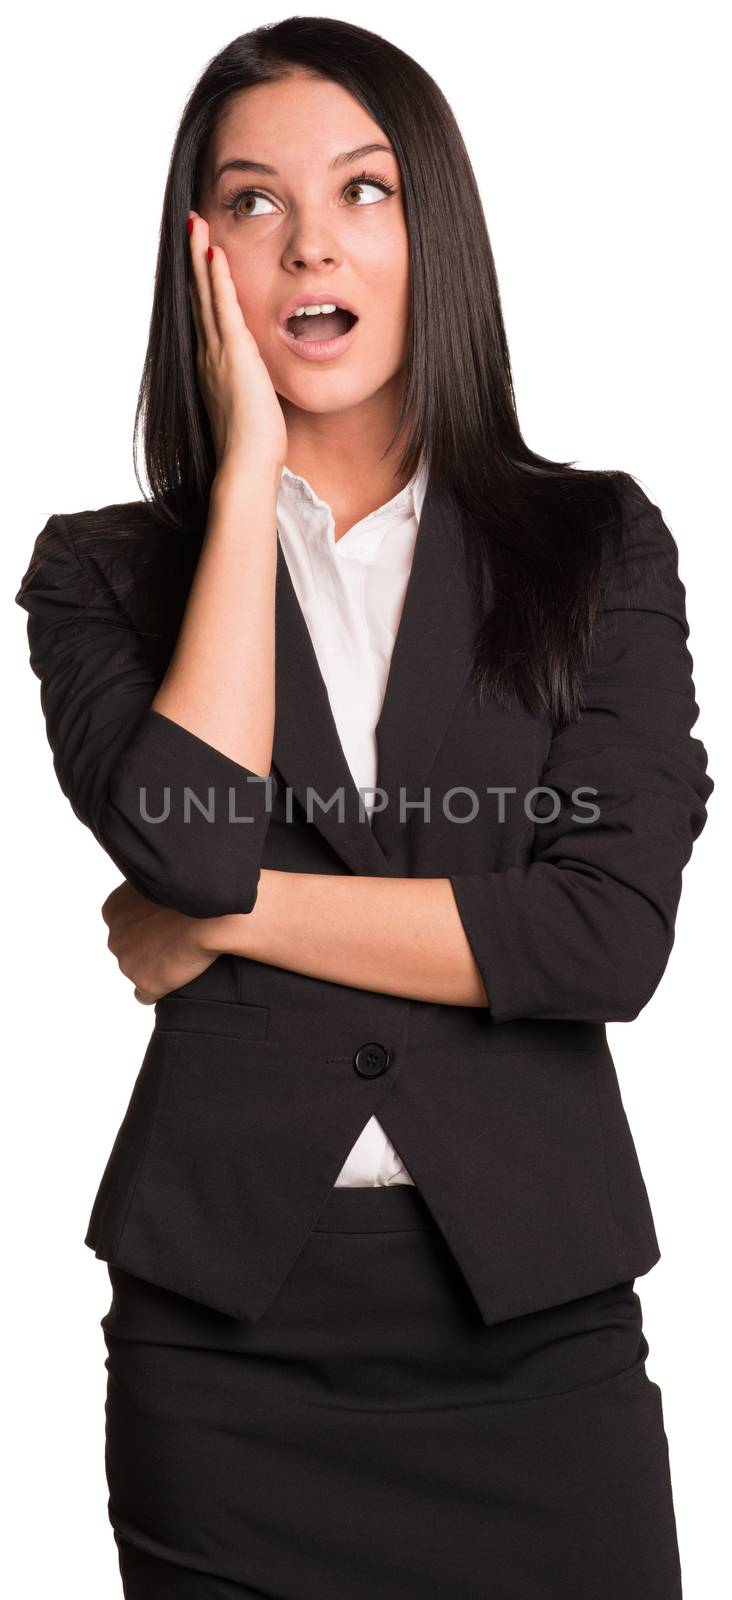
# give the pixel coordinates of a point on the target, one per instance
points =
(310, 228)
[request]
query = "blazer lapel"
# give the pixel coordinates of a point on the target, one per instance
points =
(430, 662)
(429, 665)
(307, 751)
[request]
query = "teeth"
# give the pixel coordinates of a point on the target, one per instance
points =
(313, 311)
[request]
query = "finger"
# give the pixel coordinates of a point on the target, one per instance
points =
(226, 309)
(200, 295)
(202, 284)
(194, 299)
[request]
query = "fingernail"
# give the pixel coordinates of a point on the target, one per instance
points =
(190, 224)
(209, 253)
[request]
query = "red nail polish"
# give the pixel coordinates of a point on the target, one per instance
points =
(190, 224)
(210, 253)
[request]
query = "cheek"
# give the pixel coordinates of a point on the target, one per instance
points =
(391, 282)
(254, 316)
(396, 297)
(255, 311)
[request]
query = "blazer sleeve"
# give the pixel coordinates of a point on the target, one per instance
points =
(584, 931)
(183, 822)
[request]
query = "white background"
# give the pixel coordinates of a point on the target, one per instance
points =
(598, 139)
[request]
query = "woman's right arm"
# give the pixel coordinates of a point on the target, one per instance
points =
(172, 776)
(220, 681)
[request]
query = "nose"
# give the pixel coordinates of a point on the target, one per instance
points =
(311, 245)
(315, 259)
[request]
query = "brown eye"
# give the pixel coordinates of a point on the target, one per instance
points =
(359, 184)
(233, 201)
(356, 186)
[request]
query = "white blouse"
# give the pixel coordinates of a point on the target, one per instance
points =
(351, 593)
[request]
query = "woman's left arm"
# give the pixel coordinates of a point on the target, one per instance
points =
(400, 936)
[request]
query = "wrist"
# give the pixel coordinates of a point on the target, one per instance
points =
(241, 933)
(214, 935)
(239, 475)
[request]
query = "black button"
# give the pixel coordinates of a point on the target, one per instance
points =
(371, 1059)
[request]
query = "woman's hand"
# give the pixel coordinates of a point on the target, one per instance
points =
(245, 414)
(157, 949)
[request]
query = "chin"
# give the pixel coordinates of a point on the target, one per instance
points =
(322, 390)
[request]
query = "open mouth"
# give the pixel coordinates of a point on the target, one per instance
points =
(313, 326)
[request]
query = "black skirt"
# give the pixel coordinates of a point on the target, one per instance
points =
(370, 1438)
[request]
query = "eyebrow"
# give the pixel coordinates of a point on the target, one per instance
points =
(240, 164)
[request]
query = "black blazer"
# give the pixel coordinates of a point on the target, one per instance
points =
(256, 1080)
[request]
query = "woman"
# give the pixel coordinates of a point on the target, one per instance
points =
(353, 1354)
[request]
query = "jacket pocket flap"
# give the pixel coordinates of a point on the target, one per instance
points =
(235, 1019)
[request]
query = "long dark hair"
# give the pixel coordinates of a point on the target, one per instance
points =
(533, 525)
